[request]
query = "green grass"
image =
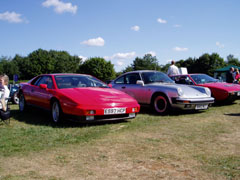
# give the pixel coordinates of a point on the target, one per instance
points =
(183, 145)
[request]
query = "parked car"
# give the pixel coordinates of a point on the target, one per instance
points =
(14, 93)
(161, 93)
(221, 91)
(77, 97)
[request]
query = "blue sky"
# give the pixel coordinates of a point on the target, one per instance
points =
(120, 30)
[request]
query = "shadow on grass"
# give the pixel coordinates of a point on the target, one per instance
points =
(40, 117)
(173, 112)
(233, 114)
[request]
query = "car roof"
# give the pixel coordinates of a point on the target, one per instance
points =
(140, 71)
(55, 74)
(189, 74)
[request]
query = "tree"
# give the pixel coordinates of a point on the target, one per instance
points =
(148, 62)
(44, 62)
(208, 63)
(99, 68)
(231, 60)
(8, 67)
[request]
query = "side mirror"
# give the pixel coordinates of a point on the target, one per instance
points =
(43, 86)
(140, 82)
(110, 85)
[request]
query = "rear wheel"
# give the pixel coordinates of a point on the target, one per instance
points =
(160, 104)
(56, 112)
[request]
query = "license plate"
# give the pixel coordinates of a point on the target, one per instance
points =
(115, 111)
(200, 106)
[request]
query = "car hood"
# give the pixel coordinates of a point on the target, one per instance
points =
(98, 96)
(222, 85)
(188, 91)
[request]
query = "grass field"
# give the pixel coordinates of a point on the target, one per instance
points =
(183, 145)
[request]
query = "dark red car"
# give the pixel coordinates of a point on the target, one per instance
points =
(221, 91)
(76, 96)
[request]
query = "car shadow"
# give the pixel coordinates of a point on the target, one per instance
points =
(233, 114)
(43, 118)
(172, 112)
(223, 103)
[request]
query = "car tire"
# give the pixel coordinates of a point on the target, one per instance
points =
(160, 104)
(56, 112)
(15, 98)
(22, 103)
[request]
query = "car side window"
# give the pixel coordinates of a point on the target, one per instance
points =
(132, 78)
(45, 80)
(35, 81)
(120, 80)
(183, 80)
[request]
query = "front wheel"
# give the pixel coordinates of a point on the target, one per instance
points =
(56, 112)
(22, 103)
(160, 104)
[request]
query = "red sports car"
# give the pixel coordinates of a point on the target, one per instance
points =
(78, 97)
(221, 91)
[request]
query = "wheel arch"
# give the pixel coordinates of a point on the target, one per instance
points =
(54, 99)
(155, 94)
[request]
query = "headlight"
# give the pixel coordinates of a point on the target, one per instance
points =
(208, 92)
(180, 92)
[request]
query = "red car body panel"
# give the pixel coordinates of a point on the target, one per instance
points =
(77, 101)
(221, 90)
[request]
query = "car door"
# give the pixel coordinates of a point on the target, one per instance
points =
(128, 84)
(41, 97)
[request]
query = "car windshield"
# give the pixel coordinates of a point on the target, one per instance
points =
(78, 81)
(203, 78)
(155, 77)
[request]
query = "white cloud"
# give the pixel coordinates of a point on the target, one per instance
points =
(94, 42)
(180, 49)
(135, 28)
(60, 7)
(120, 60)
(152, 53)
(120, 63)
(83, 58)
(12, 17)
(218, 44)
(162, 21)
(177, 25)
(121, 56)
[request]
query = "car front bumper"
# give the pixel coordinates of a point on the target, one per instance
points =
(95, 118)
(192, 104)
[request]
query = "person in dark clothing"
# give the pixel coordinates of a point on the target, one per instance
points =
(229, 76)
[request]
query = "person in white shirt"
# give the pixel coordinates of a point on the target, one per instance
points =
(4, 91)
(173, 70)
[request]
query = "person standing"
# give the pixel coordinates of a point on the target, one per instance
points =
(229, 75)
(4, 91)
(173, 70)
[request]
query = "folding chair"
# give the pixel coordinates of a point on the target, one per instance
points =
(5, 115)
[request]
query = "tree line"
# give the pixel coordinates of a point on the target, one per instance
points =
(44, 62)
